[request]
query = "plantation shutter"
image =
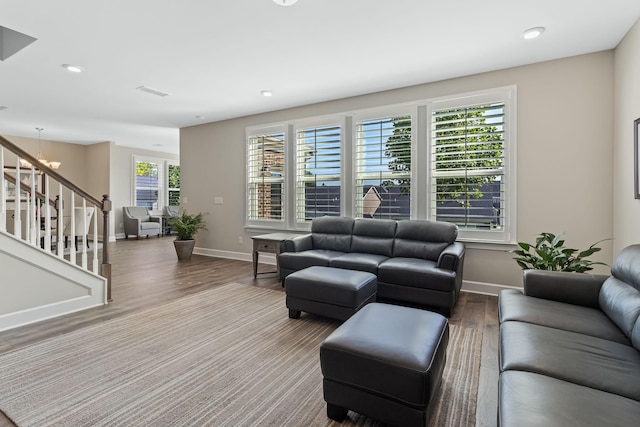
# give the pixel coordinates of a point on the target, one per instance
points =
(467, 166)
(318, 186)
(265, 180)
(383, 168)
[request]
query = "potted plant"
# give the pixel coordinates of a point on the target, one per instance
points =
(186, 226)
(549, 253)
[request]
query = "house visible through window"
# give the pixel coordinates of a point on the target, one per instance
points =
(383, 168)
(265, 180)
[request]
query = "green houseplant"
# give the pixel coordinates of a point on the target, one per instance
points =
(550, 253)
(186, 226)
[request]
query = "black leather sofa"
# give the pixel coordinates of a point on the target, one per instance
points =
(570, 348)
(417, 263)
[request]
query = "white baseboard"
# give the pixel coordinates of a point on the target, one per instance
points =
(484, 288)
(266, 258)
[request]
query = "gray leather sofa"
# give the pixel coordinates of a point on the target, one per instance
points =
(417, 263)
(570, 348)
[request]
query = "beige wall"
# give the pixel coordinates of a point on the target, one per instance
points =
(626, 209)
(564, 170)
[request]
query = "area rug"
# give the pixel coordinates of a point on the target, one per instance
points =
(225, 356)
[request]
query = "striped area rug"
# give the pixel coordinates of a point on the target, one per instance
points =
(229, 356)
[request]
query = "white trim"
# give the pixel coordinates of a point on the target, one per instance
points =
(485, 288)
(45, 312)
(92, 288)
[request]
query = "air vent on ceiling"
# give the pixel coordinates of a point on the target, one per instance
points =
(152, 91)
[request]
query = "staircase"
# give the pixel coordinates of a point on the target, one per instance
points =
(45, 273)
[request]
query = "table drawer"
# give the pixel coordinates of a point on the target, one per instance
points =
(266, 246)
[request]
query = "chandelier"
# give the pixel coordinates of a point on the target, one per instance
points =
(40, 156)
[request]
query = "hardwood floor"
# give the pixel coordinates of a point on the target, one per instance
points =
(146, 272)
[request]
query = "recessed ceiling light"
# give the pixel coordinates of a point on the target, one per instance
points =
(73, 68)
(266, 93)
(533, 33)
(285, 2)
(158, 145)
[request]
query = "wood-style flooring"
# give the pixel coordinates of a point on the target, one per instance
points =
(146, 272)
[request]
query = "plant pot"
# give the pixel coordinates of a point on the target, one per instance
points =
(184, 248)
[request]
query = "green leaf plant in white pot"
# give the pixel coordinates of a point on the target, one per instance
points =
(186, 226)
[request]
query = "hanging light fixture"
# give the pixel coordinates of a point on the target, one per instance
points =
(40, 156)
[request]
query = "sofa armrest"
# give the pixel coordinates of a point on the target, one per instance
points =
(572, 288)
(298, 244)
(451, 257)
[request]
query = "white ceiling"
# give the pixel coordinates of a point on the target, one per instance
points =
(214, 57)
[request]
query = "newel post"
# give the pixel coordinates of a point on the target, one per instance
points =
(106, 265)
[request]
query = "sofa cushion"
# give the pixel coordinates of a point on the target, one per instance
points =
(532, 400)
(373, 236)
(569, 356)
(626, 267)
(417, 273)
(621, 302)
(513, 305)
(300, 260)
(358, 261)
(150, 225)
(332, 233)
(423, 239)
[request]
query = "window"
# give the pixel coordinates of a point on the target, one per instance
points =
(470, 163)
(147, 184)
(318, 159)
(173, 184)
(447, 159)
(156, 182)
(383, 152)
(266, 173)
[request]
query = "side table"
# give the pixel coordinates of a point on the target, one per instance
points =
(270, 243)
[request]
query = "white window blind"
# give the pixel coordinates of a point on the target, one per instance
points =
(266, 173)
(383, 149)
(173, 184)
(318, 185)
(468, 166)
(148, 184)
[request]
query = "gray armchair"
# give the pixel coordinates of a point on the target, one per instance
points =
(138, 222)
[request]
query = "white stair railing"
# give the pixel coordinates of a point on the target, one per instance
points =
(53, 225)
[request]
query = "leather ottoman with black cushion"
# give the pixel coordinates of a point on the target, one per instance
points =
(385, 362)
(330, 292)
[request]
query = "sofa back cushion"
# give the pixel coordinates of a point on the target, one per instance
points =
(620, 294)
(332, 233)
(373, 236)
(423, 239)
(141, 212)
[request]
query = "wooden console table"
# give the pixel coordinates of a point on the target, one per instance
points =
(270, 243)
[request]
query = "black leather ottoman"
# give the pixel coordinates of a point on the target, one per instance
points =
(331, 292)
(385, 362)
